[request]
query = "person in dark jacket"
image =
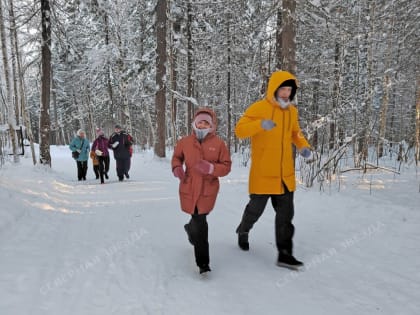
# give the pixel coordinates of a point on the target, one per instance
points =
(120, 142)
(206, 158)
(100, 147)
(81, 145)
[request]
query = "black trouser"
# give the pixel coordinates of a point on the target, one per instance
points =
(283, 206)
(96, 170)
(82, 167)
(123, 166)
(199, 232)
(103, 166)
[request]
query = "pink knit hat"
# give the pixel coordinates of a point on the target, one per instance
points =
(99, 132)
(205, 117)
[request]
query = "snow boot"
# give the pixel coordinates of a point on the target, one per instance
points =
(288, 261)
(204, 269)
(242, 240)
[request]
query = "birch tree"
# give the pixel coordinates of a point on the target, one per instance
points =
(19, 84)
(9, 104)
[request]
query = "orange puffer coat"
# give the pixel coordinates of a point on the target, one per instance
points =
(271, 150)
(197, 190)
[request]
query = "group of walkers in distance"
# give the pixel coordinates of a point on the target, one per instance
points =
(120, 142)
(199, 159)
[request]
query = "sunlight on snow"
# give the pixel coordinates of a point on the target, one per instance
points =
(366, 184)
(47, 207)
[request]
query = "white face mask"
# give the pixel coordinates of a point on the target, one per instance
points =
(283, 104)
(200, 133)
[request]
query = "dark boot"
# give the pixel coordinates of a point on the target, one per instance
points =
(242, 240)
(285, 259)
(204, 269)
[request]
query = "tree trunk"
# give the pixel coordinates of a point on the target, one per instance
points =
(22, 98)
(176, 29)
(385, 99)
(160, 98)
(55, 130)
(44, 130)
(382, 117)
(335, 96)
(288, 36)
(189, 68)
(14, 63)
(368, 108)
(278, 40)
(125, 114)
(417, 153)
(10, 116)
(108, 72)
(228, 88)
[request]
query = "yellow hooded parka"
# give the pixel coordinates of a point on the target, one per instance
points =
(271, 150)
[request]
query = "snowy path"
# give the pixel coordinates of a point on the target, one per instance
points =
(83, 248)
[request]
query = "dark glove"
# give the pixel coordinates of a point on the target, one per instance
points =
(306, 153)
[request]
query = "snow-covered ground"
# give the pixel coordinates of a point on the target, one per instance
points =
(69, 247)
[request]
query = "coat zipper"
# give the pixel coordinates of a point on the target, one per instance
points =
(282, 153)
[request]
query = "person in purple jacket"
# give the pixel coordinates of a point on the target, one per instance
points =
(100, 147)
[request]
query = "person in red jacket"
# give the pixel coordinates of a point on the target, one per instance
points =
(206, 158)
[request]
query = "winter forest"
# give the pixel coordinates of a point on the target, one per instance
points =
(72, 246)
(70, 64)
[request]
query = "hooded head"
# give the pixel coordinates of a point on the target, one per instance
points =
(280, 79)
(99, 132)
(204, 115)
(81, 133)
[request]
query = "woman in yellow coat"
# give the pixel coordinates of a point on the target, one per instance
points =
(272, 124)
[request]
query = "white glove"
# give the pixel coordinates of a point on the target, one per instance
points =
(78, 150)
(115, 144)
(98, 152)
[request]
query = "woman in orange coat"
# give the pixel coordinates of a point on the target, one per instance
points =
(272, 124)
(206, 158)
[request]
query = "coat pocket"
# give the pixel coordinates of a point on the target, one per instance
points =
(185, 188)
(211, 187)
(270, 163)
